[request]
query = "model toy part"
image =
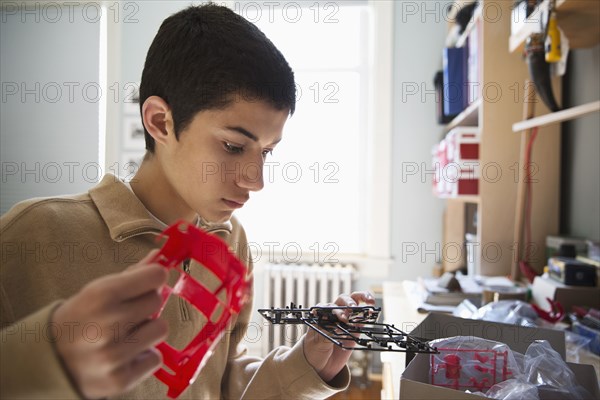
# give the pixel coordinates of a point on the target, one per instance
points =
(556, 313)
(185, 242)
(473, 369)
(361, 332)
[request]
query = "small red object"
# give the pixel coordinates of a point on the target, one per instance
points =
(464, 368)
(556, 313)
(185, 241)
(452, 366)
(481, 358)
(527, 271)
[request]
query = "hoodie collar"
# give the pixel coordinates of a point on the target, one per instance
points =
(126, 216)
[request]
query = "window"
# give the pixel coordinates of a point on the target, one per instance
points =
(323, 200)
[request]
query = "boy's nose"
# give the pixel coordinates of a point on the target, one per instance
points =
(251, 176)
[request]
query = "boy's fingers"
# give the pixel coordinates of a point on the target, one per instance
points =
(344, 300)
(148, 259)
(136, 310)
(145, 336)
(352, 300)
(363, 297)
(133, 283)
(144, 365)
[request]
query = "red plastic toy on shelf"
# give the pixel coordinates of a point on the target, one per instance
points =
(185, 241)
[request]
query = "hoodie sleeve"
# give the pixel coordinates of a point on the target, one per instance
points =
(283, 373)
(30, 365)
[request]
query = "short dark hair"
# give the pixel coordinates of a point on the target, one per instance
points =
(204, 57)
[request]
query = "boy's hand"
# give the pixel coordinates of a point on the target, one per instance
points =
(325, 357)
(111, 346)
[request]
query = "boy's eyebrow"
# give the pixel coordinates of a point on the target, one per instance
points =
(247, 133)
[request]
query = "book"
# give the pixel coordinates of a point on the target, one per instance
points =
(455, 80)
(414, 293)
(436, 295)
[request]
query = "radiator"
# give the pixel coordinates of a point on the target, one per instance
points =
(304, 285)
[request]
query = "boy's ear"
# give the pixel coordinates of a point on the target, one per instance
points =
(158, 119)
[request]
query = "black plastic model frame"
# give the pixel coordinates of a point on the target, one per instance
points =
(362, 328)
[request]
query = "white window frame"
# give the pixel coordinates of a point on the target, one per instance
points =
(377, 261)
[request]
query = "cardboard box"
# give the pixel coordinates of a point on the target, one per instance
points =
(567, 296)
(518, 338)
(414, 382)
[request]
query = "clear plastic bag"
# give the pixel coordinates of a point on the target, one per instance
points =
(575, 345)
(514, 312)
(471, 363)
(545, 368)
(490, 368)
(513, 389)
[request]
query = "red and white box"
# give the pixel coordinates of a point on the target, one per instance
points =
(463, 144)
(456, 163)
(461, 179)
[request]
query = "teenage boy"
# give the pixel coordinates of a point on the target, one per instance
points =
(77, 284)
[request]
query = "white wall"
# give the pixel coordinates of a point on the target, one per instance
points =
(581, 149)
(420, 30)
(49, 111)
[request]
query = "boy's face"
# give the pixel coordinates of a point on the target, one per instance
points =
(218, 159)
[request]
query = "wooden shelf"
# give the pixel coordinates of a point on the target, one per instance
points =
(457, 5)
(516, 42)
(577, 18)
(469, 116)
(477, 14)
(465, 199)
(557, 117)
(497, 194)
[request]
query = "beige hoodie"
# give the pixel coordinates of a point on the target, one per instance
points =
(52, 247)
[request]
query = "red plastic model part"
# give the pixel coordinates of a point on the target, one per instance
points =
(556, 313)
(469, 368)
(185, 241)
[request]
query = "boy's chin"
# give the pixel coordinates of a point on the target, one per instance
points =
(217, 217)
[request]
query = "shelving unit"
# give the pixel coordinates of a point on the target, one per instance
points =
(465, 199)
(469, 117)
(477, 15)
(499, 107)
(579, 21)
(557, 117)
(498, 114)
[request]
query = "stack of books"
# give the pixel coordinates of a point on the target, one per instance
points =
(437, 295)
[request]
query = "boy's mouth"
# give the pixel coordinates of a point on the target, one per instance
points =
(233, 204)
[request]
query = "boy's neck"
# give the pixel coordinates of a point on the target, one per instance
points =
(151, 186)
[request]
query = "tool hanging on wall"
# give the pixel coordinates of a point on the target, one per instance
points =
(539, 68)
(553, 45)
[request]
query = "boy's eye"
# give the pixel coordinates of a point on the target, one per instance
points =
(267, 152)
(232, 149)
